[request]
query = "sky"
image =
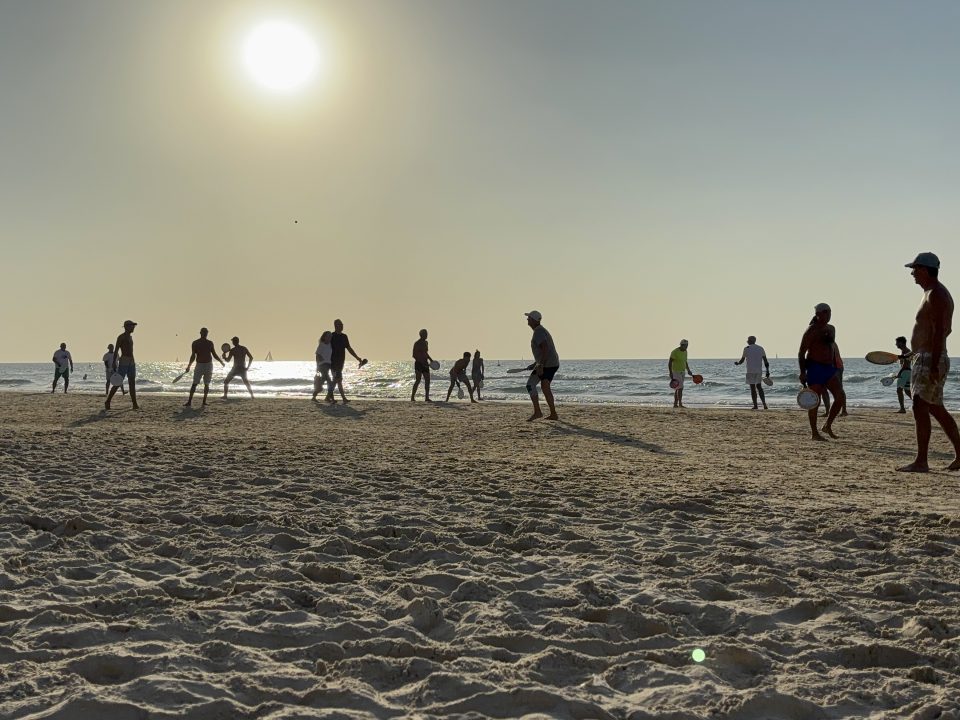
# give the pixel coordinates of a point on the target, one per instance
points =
(637, 171)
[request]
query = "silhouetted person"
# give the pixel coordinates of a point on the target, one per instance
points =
(458, 373)
(125, 364)
(679, 368)
(818, 370)
(242, 360)
(903, 377)
(421, 367)
(476, 373)
(755, 356)
(341, 346)
(108, 363)
(203, 351)
(324, 357)
(546, 362)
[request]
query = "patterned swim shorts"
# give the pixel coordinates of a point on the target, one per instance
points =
(921, 384)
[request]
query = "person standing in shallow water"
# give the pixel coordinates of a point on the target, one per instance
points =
(125, 364)
(818, 371)
(545, 366)
(930, 363)
(421, 367)
(754, 355)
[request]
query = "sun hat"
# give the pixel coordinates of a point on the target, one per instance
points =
(925, 259)
(535, 315)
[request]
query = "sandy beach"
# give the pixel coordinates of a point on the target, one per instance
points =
(284, 559)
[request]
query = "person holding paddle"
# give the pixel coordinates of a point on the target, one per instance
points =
(930, 362)
(242, 360)
(125, 364)
(678, 367)
(203, 351)
(903, 377)
(818, 370)
(754, 355)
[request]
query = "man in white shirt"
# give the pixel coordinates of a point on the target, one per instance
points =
(109, 358)
(63, 364)
(754, 355)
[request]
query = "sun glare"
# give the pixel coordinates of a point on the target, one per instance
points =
(281, 56)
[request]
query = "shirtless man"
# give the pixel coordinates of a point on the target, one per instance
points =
(125, 364)
(240, 356)
(930, 362)
(108, 363)
(341, 346)
(458, 373)
(903, 377)
(203, 351)
(818, 369)
(421, 367)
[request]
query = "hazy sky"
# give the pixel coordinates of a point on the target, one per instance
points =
(637, 171)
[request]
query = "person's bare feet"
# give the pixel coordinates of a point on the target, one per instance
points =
(553, 416)
(187, 404)
(901, 411)
(535, 416)
(829, 431)
(818, 436)
(955, 465)
(914, 467)
(136, 407)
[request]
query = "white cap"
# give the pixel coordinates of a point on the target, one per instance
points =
(535, 314)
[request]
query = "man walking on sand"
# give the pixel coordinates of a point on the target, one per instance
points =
(242, 360)
(125, 364)
(62, 367)
(678, 366)
(754, 355)
(341, 346)
(818, 369)
(421, 367)
(203, 351)
(903, 377)
(546, 362)
(930, 362)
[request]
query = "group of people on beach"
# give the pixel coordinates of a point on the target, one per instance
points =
(924, 365)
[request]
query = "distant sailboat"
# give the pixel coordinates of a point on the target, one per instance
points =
(269, 356)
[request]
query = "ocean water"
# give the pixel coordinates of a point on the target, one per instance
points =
(635, 382)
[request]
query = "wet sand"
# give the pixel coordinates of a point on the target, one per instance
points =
(283, 559)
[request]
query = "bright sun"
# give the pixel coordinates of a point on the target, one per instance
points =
(280, 56)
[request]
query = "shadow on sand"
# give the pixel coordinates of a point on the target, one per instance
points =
(188, 413)
(96, 417)
(339, 409)
(568, 428)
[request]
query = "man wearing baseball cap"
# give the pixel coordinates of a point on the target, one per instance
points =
(125, 364)
(677, 365)
(930, 362)
(546, 362)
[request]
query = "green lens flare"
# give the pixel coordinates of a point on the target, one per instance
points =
(698, 655)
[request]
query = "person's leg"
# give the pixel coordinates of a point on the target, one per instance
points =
(107, 390)
(532, 382)
(903, 408)
(226, 383)
(812, 413)
(453, 381)
(753, 395)
(763, 398)
(340, 386)
(949, 426)
(113, 391)
(206, 389)
(193, 389)
(416, 384)
(247, 383)
(470, 390)
(426, 387)
(66, 383)
(825, 401)
(56, 379)
(921, 416)
(680, 396)
(839, 401)
(676, 398)
(548, 396)
(133, 392)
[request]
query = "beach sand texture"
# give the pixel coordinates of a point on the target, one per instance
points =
(282, 559)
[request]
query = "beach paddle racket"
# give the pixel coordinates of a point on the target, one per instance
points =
(808, 399)
(179, 377)
(434, 364)
(513, 371)
(697, 379)
(116, 379)
(362, 363)
(888, 381)
(674, 384)
(225, 348)
(881, 357)
(768, 381)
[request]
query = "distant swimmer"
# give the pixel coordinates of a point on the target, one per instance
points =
(109, 358)
(62, 367)
(324, 357)
(125, 364)
(341, 346)
(930, 363)
(903, 377)
(755, 356)
(678, 367)
(476, 373)
(203, 351)
(421, 367)
(242, 360)
(546, 363)
(458, 374)
(818, 370)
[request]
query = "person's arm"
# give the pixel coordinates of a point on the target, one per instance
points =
(689, 371)
(70, 358)
(193, 356)
(767, 363)
(350, 350)
(743, 356)
(940, 312)
(538, 365)
(481, 368)
(213, 351)
(670, 367)
(116, 353)
(802, 355)
(54, 360)
(250, 360)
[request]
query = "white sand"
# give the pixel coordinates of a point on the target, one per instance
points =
(279, 559)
